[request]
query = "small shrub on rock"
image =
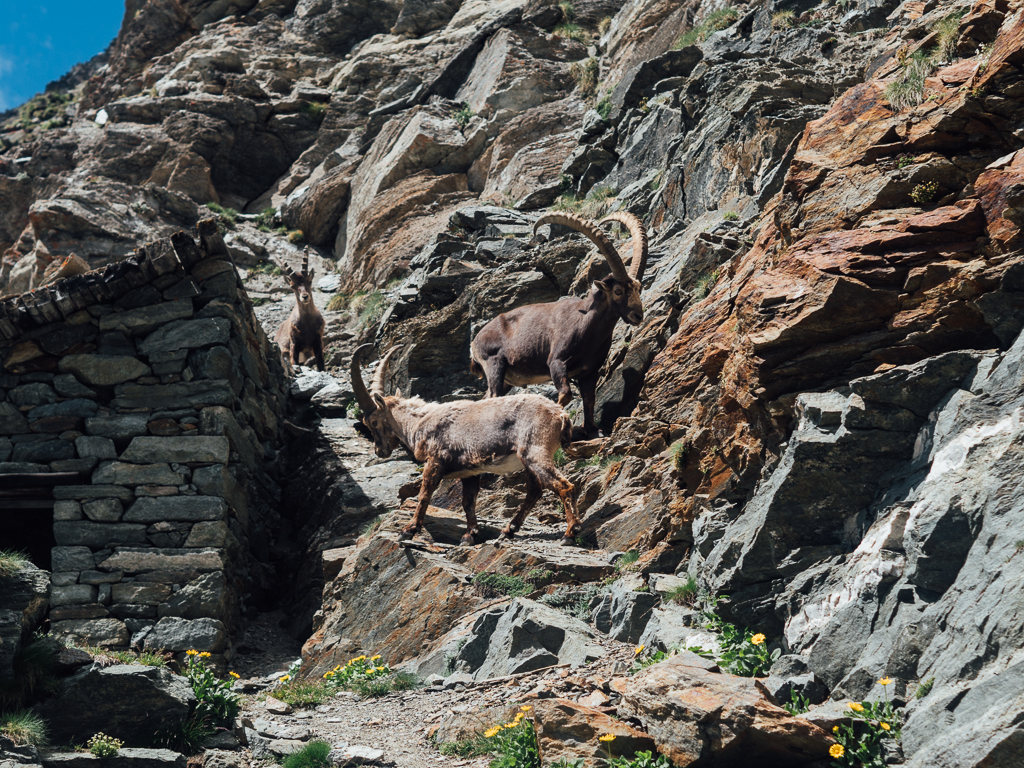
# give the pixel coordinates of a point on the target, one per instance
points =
(861, 742)
(684, 594)
(24, 727)
(496, 584)
(102, 745)
(312, 755)
(11, 562)
(924, 192)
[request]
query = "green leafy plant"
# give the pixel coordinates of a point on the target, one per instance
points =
(474, 746)
(574, 601)
(228, 216)
(337, 303)
(187, 738)
(24, 727)
(215, 701)
(462, 116)
(902, 161)
(705, 282)
(947, 32)
(497, 584)
(515, 743)
(102, 745)
(644, 657)
(571, 31)
(716, 21)
(683, 594)
(677, 453)
(353, 411)
(924, 688)
(585, 74)
(731, 216)
(265, 219)
(797, 704)
(860, 743)
(604, 107)
(924, 192)
(740, 651)
(315, 754)
(369, 677)
(560, 458)
(639, 759)
(303, 693)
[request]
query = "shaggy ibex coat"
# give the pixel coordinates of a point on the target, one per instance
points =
(568, 339)
(465, 439)
(301, 335)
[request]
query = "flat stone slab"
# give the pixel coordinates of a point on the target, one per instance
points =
(201, 449)
(132, 560)
(103, 370)
(127, 757)
(155, 509)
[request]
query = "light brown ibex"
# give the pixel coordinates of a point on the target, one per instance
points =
(567, 339)
(301, 335)
(465, 439)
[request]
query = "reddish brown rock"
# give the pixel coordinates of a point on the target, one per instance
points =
(569, 731)
(700, 718)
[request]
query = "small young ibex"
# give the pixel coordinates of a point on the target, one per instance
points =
(465, 439)
(301, 335)
(570, 338)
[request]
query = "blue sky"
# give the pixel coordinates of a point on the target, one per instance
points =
(40, 41)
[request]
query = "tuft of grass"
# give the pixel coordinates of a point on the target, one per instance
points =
(677, 454)
(337, 303)
(560, 458)
(24, 727)
(627, 558)
(705, 283)
(34, 673)
(187, 738)
(603, 25)
(571, 31)
(586, 75)
(474, 746)
(907, 90)
(684, 594)
(228, 216)
(721, 19)
(947, 32)
(11, 562)
(265, 219)
(496, 584)
(567, 9)
(371, 308)
(405, 681)
(783, 19)
(604, 107)
(314, 109)
(730, 216)
(372, 526)
(924, 688)
(462, 116)
(312, 755)
(266, 268)
(296, 236)
(303, 693)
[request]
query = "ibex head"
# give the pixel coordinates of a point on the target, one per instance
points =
(301, 282)
(375, 408)
(621, 289)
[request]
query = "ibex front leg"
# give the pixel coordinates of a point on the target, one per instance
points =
(432, 474)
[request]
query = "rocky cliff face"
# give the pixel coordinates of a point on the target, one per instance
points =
(817, 417)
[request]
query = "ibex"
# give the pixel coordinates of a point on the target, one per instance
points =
(301, 335)
(568, 339)
(465, 439)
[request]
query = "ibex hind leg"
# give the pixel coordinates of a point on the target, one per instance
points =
(533, 492)
(470, 490)
(551, 479)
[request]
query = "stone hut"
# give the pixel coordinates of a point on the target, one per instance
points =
(140, 408)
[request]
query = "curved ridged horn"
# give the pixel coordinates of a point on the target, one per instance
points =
(305, 260)
(366, 404)
(597, 237)
(639, 234)
(377, 386)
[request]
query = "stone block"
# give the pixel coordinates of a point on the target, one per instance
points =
(63, 578)
(72, 594)
(208, 534)
(117, 426)
(78, 407)
(131, 560)
(99, 577)
(142, 594)
(103, 370)
(71, 558)
(200, 392)
(46, 451)
(98, 535)
(122, 473)
(72, 612)
(67, 510)
(133, 611)
(221, 421)
(95, 447)
(205, 597)
(5, 448)
(168, 535)
(105, 633)
(32, 395)
(185, 508)
(103, 510)
(189, 334)
(68, 386)
(145, 319)
(175, 634)
(198, 449)
(12, 422)
(83, 492)
(126, 757)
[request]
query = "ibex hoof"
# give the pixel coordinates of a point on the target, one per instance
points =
(506, 534)
(406, 535)
(467, 540)
(567, 541)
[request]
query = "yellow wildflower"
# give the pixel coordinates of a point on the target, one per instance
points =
(191, 652)
(757, 639)
(885, 681)
(639, 649)
(837, 751)
(379, 669)
(607, 737)
(856, 707)
(835, 729)
(492, 732)
(205, 654)
(525, 708)
(374, 658)
(884, 726)
(234, 675)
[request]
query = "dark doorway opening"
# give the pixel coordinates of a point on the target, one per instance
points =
(26, 513)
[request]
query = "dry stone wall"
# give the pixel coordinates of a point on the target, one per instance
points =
(152, 380)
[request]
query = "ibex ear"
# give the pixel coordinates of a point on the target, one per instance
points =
(599, 293)
(311, 273)
(379, 400)
(398, 394)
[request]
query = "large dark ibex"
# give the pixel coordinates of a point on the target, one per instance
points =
(465, 439)
(301, 335)
(568, 339)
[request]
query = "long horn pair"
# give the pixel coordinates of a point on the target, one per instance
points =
(596, 236)
(639, 234)
(364, 397)
(305, 260)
